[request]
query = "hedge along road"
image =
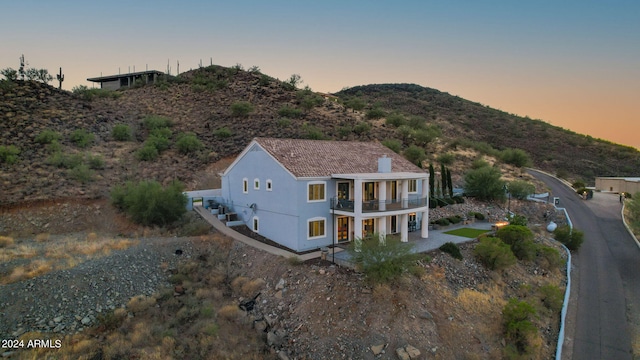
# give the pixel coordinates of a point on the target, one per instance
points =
(606, 291)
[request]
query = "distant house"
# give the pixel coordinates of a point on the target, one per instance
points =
(115, 82)
(306, 194)
(629, 185)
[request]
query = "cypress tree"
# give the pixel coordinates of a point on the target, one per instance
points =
(432, 175)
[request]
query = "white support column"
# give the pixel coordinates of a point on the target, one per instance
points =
(404, 227)
(424, 224)
(405, 194)
(357, 209)
(382, 195)
(382, 227)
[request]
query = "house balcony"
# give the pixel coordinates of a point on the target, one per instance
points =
(372, 206)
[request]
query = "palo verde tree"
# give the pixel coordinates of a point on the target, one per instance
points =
(485, 183)
(148, 203)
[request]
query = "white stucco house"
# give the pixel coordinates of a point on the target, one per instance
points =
(307, 194)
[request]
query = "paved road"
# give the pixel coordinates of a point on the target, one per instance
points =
(607, 316)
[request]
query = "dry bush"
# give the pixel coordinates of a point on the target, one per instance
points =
(141, 334)
(33, 269)
(117, 347)
(92, 236)
(382, 292)
(252, 287)
(6, 241)
(229, 312)
(140, 303)
(17, 252)
(476, 302)
(42, 237)
(238, 283)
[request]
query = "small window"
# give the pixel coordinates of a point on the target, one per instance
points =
(316, 228)
(269, 185)
(245, 185)
(256, 224)
(315, 191)
(413, 185)
(256, 184)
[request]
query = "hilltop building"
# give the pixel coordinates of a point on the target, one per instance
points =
(115, 82)
(629, 185)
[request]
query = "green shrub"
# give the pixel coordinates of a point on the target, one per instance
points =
(494, 253)
(521, 189)
(415, 154)
(47, 137)
(548, 257)
(375, 113)
(451, 249)
(395, 120)
(223, 132)
(81, 138)
(89, 94)
(121, 132)
(516, 219)
(519, 329)
(155, 122)
(284, 122)
(188, 143)
(443, 222)
(393, 144)
(62, 160)
(515, 157)
(478, 215)
(241, 108)
(95, 162)
(362, 128)
(158, 141)
(520, 238)
(356, 104)
(383, 261)
(484, 183)
(572, 239)
(81, 173)
(456, 219)
(54, 147)
(148, 203)
(313, 132)
(147, 152)
(578, 184)
(458, 199)
(9, 154)
(552, 297)
(446, 158)
(290, 112)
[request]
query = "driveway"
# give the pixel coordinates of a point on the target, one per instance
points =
(604, 314)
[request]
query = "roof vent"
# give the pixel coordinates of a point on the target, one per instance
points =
(384, 164)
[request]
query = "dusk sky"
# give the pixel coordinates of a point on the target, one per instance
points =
(574, 64)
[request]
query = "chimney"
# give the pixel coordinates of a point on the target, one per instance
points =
(384, 164)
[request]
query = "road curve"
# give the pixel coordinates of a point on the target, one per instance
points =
(607, 291)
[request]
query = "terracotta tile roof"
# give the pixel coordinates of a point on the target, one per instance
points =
(319, 158)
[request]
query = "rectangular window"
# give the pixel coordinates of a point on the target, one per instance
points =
(256, 184)
(316, 228)
(256, 224)
(269, 185)
(245, 185)
(316, 192)
(413, 186)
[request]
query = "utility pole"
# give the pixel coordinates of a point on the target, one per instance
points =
(60, 77)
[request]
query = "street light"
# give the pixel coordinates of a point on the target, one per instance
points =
(506, 190)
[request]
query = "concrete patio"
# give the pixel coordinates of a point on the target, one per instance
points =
(436, 239)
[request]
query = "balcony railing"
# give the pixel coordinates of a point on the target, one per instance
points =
(378, 205)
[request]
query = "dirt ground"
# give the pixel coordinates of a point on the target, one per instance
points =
(450, 309)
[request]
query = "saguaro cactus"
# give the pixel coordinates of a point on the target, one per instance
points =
(60, 77)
